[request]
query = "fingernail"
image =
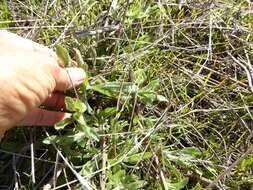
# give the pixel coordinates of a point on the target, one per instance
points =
(67, 115)
(77, 75)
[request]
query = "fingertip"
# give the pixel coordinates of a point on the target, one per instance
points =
(69, 77)
(77, 75)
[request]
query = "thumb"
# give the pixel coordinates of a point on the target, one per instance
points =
(69, 77)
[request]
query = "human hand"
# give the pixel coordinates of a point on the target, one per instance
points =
(31, 75)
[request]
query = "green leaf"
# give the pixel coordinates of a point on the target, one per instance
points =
(49, 139)
(62, 124)
(118, 176)
(136, 185)
(79, 60)
(152, 86)
(78, 117)
(66, 139)
(63, 55)
(70, 104)
(198, 187)
(112, 89)
(138, 157)
(247, 163)
(83, 127)
(185, 156)
(75, 105)
(107, 112)
(88, 168)
(91, 133)
(193, 151)
(148, 93)
(179, 185)
(79, 136)
(147, 97)
(140, 76)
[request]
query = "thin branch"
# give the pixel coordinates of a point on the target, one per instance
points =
(32, 157)
(161, 174)
(249, 76)
(209, 51)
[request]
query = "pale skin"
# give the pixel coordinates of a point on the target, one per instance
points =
(31, 76)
